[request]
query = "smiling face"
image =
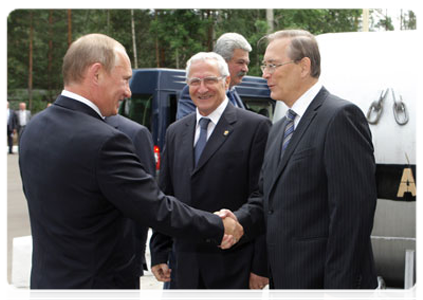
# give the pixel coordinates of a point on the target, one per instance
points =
(285, 82)
(114, 86)
(207, 96)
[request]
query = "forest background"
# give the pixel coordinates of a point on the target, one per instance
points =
(38, 39)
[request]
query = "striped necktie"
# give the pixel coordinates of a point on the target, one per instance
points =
(289, 128)
(202, 140)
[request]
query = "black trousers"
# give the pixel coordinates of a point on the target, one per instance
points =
(203, 294)
(10, 140)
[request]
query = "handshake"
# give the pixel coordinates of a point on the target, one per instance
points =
(233, 229)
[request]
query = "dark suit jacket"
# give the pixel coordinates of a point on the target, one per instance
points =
(227, 173)
(12, 122)
(143, 143)
(82, 181)
(319, 200)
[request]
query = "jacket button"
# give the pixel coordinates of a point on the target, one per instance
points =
(270, 211)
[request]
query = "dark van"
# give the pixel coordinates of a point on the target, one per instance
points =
(155, 94)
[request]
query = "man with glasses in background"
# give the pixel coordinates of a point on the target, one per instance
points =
(234, 48)
(212, 160)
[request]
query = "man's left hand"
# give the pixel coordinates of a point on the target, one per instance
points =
(258, 282)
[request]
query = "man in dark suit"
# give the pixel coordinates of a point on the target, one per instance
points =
(318, 191)
(82, 180)
(225, 174)
(234, 48)
(143, 144)
(11, 127)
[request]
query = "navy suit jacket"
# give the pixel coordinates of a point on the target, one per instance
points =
(318, 201)
(226, 174)
(82, 181)
(143, 144)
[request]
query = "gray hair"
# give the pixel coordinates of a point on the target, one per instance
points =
(303, 44)
(203, 56)
(87, 50)
(228, 42)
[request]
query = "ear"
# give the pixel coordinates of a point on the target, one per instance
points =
(227, 82)
(305, 64)
(94, 73)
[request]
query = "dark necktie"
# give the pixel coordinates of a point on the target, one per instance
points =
(289, 129)
(231, 98)
(202, 140)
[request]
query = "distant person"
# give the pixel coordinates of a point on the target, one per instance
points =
(82, 180)
(143, 144)
(11, 127)
(223, 174)
(235, 49)
(23, 116)
(318, 189)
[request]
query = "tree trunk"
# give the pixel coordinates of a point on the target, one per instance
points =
(157, 42)
(31, 37)
(69, 27)
(134, 44)
(50, 50)
(270, 20)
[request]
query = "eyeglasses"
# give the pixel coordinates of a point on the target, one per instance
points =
(271, 67)
(209, 81)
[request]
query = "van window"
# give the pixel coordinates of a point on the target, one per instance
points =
(138, 109)
(173, 105)
(261, 106)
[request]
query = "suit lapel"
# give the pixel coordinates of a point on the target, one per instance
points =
(304, 123)
(188, 140)
(224, 128)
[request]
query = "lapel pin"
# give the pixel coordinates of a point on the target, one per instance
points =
(226, 132)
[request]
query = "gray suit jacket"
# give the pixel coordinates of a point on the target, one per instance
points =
(318, 202)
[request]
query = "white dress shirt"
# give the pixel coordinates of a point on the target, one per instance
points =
(83, 100)
(300, 106)
(214, 118)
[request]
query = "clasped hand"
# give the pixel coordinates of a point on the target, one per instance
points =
(233, 229)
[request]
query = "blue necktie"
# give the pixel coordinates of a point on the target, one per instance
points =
(201, 143)
(289, 129)
(231, 98)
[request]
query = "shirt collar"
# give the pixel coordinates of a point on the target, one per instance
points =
(83, 100)
(216, 114)
(301, 105)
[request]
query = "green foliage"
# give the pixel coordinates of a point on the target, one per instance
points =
(165, 38)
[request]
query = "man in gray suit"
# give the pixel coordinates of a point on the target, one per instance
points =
(23, 116)
(318, 190)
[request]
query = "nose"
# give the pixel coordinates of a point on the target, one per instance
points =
(245, 68)
(128, 92)
(202, 88)
(265, 75)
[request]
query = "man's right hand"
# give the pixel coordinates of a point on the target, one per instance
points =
(233, 230)
(161, 272)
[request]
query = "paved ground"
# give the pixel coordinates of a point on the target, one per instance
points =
(17, 225)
